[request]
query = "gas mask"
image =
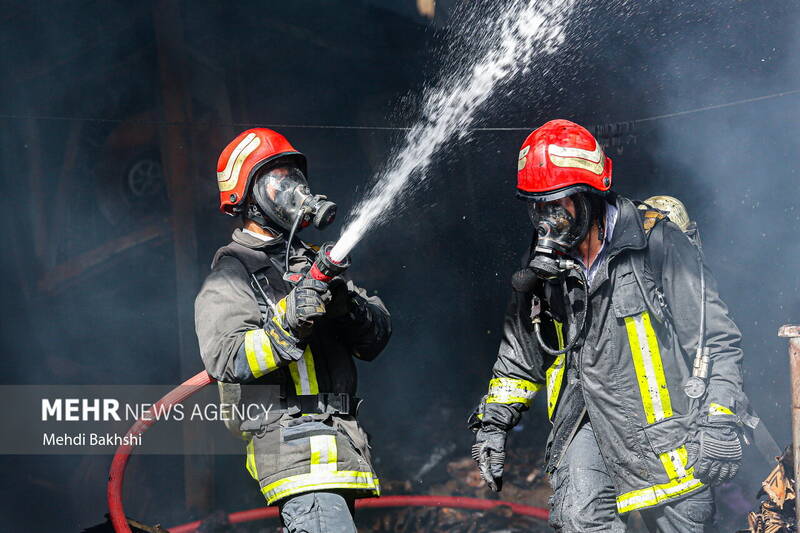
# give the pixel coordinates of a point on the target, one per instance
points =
(283, 195)
(558, 231)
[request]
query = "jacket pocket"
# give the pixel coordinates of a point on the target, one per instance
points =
(294, 428)
(626, 296)
(307, 444)
(669, 434)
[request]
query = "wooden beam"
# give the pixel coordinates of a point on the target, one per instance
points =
(176, 147)
(59, 213)
(33, 147)
(70, 271)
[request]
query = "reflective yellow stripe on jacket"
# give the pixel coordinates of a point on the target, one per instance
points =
(509, 390)
(715, 409)
(657, 407)
(323, 475)
(315, 481)
(259, 354)
(555, 373)
(323, 453)
(250, 461)
(304, 375)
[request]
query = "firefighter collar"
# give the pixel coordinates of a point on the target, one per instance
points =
(251, 240)
(258, 235)
(610, 222)
(629, 232)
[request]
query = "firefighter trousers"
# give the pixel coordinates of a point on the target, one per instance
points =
(584, 498)
(318, 512)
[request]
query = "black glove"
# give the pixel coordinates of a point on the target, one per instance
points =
(716, 453)
(489, 451)
(304, 304)
(339, 305)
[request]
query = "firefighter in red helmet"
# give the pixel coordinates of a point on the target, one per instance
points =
(601, 319)
(277, 338)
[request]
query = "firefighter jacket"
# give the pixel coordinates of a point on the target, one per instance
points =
(628, 369)
(309, 439)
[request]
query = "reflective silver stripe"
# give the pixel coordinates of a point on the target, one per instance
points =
(304, 374)
(258, 351)
(323, 453)
(509, 390)
(302, 370)
(639, 499)
(653, 385)
(677, 463)
(258, 347)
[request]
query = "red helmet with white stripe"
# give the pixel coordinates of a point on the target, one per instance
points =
(243, 157)
(559, 159)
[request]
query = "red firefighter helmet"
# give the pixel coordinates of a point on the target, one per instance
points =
(241, 159)
(561, 158)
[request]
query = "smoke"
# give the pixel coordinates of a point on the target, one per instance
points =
(442, 265)
(734, 169)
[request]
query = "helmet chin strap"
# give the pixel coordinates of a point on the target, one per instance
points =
(255, 214)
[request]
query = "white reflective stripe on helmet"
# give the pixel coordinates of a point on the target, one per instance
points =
(229, 177)
(595, 156)
(567, 157)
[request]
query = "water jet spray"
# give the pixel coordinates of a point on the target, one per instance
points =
(523, 31)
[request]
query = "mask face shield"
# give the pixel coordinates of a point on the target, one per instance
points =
(560, 224)
(283, 195)
(280, 192)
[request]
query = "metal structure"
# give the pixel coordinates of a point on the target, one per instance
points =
(793, 334)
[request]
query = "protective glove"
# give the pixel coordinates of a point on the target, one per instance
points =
(339, 305)
(304, 304)
(489, 451)
(716, 453)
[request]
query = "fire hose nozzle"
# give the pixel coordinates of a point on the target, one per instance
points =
(324, 267)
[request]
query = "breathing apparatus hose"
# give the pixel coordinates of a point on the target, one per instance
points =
(300, 215)
(697, 383)
(537, 323)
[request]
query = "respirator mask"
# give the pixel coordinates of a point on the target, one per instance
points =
(284, 197)
(558, 231)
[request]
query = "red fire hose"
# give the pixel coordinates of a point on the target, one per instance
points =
(458, 502)
(117, 473)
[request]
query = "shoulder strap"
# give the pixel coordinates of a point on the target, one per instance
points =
(655, 253)
(261, 269)
(647, 266)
